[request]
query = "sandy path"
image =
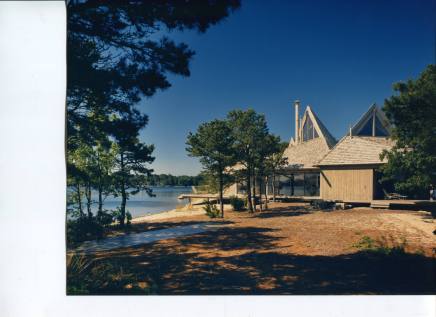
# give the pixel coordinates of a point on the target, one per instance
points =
(416, 225)
(134, 239)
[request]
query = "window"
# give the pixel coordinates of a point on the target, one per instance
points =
(311, 184)
(309, 131)
(366, 129)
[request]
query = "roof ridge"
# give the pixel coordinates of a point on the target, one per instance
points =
(352, 145)
(322, 129)
(366, 116)
(334, 146)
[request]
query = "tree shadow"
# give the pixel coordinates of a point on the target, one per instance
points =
(291, 211)
(152, 226)
(239, 261)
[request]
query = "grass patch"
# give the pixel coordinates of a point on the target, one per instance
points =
(89, 276)
(385, 246)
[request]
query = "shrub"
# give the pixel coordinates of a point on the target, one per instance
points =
(382, 246)
(105, 218)
(237, 203)
(90, 276)
(83, 228)
(211, 210)
(128, 218)
(322, 204)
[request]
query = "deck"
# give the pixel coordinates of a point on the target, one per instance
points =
(378, 203)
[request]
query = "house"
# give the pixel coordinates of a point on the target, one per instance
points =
(319, 167)
(349, 170)
(312, 141)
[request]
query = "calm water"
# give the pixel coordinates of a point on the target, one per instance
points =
(141, 204)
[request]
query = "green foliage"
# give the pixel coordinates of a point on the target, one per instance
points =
(412, 161)
(105, 218)
(87, 276)
(128, 218)
(320, 204)
(211, 210)
(82, 229)
(210, 182)
(383, 246)
(213, 145)
(131, 171)
(237, 203)
(238, 149)
(117, 54)
(253, 147)
(171, 180)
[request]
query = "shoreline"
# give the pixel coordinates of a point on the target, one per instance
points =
(185, 211)
(172, 213)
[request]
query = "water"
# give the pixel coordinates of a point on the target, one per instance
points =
(141, 204)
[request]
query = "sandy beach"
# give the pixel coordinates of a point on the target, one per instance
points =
(186, 211)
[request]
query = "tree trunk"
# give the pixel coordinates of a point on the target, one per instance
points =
(123, 193)
(79, 199)
(221, 194)
(266, 192)
(100, 200)
(123, 205)
(260, 194)
(250, 203)
(274, 186)
(254, 190)
(88, 199)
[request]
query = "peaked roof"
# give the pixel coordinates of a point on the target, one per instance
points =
(331, 141)
(306, 154)
(372, 123)
(357, 150)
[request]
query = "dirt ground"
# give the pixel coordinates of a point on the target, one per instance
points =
(288, 249)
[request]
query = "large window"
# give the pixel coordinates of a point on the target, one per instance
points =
(311, 184)
(309, 131)
(296, 184)
(293, 184)
(366, 129)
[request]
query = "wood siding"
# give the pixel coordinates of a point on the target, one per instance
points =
(347, 184)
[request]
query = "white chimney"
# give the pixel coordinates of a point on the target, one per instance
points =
(297, 121)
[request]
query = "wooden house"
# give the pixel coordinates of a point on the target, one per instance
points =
(311, 142)
(349, 170)
(319, 167)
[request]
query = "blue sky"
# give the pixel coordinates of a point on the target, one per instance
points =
(337, 56)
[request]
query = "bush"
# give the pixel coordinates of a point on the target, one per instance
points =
(82, 229)
(105, 218)
(382, 246)
(128, 218)
(237, 203)
(90, 276)
(211, 210)
(320, 204)
(117, 216)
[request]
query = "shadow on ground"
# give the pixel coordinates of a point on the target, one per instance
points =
(241, 261)
(283, 212)
(151, 226)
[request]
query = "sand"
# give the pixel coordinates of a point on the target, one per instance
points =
(174, 213)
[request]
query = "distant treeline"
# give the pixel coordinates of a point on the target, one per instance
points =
(171, 180)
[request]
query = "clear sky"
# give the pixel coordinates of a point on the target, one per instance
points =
(337, 56)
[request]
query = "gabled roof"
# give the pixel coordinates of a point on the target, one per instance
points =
(306, 154)
(357, 150)
(331, 141)
(372, 123)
